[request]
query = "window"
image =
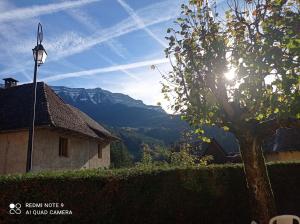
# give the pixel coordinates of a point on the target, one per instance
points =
(63, 147)
(99, 151)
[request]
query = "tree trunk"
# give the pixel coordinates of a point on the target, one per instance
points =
(261, 195)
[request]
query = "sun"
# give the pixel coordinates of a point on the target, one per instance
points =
(231, 74)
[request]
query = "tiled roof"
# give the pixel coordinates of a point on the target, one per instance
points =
(16, 109)
(285, 139)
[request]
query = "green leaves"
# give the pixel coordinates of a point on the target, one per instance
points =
(264, 47)
(225, 128)
(205, 139)
(199, 131)
(293, 43)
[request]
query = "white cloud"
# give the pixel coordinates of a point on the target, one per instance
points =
(153, 14)
(91, 24)
(37, 10)
(70, 42)
(140, 22)
(106, 69)
(122, 70)
(13, 63)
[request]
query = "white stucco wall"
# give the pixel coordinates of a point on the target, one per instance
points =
(283, 156)
(13, 152)
(82, 152)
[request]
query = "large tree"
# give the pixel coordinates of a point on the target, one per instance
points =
(239, 71)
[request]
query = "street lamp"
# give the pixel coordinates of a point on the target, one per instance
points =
(39, 56)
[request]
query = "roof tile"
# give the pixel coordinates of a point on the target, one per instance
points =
(16, 109)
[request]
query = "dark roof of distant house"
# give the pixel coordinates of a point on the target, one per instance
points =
(51, 110)
(10, 79)
(213, 143)
(285, 139)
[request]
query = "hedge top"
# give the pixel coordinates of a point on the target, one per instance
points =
(122, 173)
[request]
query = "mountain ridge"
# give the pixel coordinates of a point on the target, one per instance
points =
(99, 95)
(133, 121)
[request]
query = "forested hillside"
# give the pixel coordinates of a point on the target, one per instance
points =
(133, 121)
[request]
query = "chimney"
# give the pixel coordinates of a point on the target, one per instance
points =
(10, 82)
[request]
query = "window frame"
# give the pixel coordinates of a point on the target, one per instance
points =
(63, 147)
(100, 151)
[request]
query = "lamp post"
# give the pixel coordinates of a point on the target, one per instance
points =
(39, 56)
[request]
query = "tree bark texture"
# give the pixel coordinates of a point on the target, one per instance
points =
(262, 200)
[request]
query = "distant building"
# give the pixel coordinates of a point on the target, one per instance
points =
(65, 137)
(219, 155)
(283, 146)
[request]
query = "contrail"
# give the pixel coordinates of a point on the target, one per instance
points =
(140, 22)
(34, 11)
(106, 69)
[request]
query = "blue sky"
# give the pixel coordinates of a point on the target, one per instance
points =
(90, 43)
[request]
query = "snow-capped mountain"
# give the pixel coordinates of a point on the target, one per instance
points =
(100, 96)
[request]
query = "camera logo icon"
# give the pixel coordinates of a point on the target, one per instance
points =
(15, 208)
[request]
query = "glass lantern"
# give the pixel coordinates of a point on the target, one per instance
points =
(39, 54)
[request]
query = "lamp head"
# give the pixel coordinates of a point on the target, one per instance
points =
(39, 54)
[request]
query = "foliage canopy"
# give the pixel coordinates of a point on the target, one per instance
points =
(258, 41)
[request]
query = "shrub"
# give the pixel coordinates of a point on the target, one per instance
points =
(211, 194)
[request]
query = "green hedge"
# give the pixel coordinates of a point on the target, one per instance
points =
(212, 195)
